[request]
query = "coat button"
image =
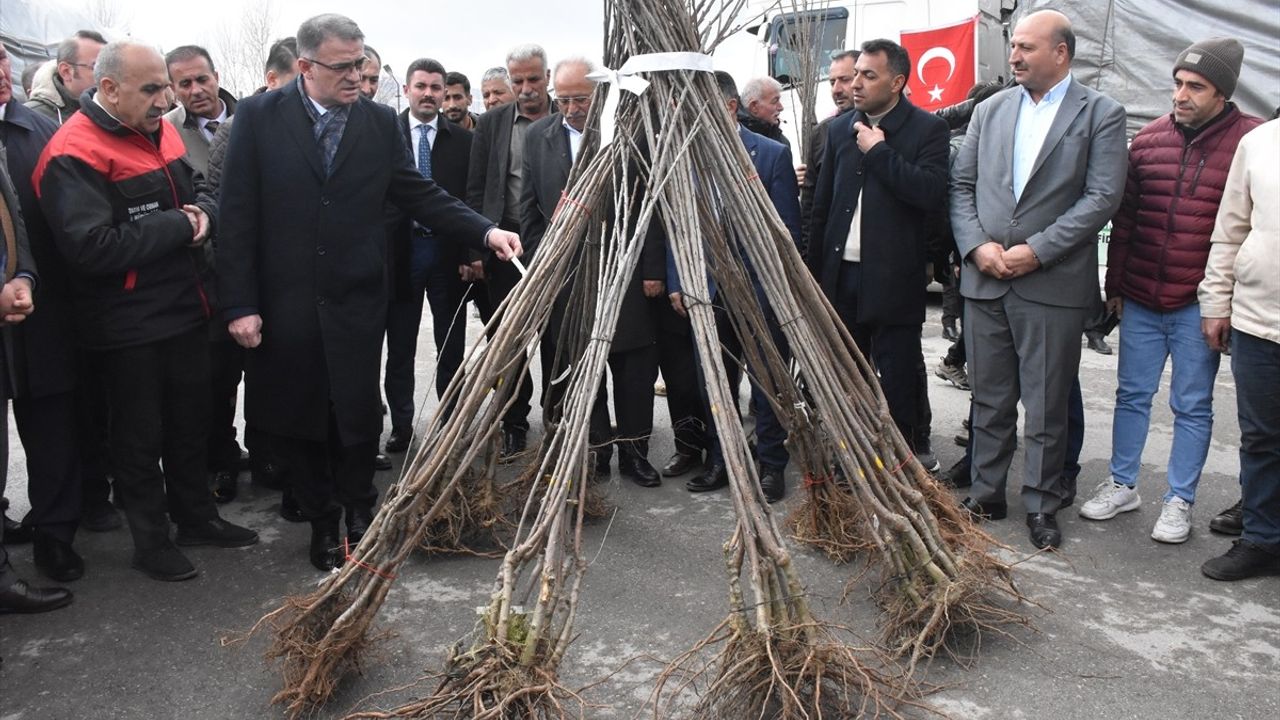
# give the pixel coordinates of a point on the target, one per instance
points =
(320, 250)
(1013, 223)
(319, 299)
(324, 201)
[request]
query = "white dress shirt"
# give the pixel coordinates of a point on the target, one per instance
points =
(416, 135)
(853, 244)
(1034, 121)
(575, 141)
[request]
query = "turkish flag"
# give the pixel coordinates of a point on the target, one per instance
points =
(944, 64)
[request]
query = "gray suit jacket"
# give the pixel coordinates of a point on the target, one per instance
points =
(1075, 187)
(193, 137)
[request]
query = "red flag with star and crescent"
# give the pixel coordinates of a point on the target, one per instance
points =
(943, 64)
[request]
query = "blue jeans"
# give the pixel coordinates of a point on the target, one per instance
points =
(1256, 365)
(1148, 338)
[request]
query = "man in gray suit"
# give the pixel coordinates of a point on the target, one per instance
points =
(202, 104)
(1041, 170)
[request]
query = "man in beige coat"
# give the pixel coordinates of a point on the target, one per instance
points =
(1240, 310)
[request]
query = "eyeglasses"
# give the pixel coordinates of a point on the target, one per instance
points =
(341, 68)
(580, 101)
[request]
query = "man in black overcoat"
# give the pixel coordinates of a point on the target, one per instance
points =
(883, 175)
(303, 269)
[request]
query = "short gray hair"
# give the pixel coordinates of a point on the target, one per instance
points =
(526, 52)
(314, 31)
(69, 49)
(496, 73)
(110, 62)
(574, 60)
(755, 87)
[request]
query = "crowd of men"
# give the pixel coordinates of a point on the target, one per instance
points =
(164, 241)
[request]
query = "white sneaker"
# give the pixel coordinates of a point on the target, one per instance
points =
(1174, 525)
(1109, 500)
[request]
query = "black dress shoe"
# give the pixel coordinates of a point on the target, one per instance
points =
(958, 475)
(326, 548)
(15, 533)
(225, 486)
(513, 445)
(56, 559)
(398, 441)
(773, 483)
(358, 522)
(681, 463)
(381, 462)
(100, 517)
(166, 563)
(638, 470)
(1229, 521)
(216, 532)
(22, 598)
(714, 478)
(1044, 530)
(289, 509)
(986, 511)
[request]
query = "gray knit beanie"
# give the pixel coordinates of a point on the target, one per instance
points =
(1217, 59)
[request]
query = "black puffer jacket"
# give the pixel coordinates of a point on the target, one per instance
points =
(112, 198)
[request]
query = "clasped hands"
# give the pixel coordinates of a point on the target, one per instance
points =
(995, 260)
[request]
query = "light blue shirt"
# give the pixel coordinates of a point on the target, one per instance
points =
(1034, 121)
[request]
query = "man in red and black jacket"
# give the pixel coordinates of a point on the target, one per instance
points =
(124, 212)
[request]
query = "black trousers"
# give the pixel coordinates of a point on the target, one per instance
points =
(47, 428)
(679, 365)
(226, 367)
(327, 476)
(159, 399)
(632, 373)
(93, 425)
(894, 351)
(443, 292)
(500, 279)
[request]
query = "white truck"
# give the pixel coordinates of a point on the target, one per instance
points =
(767, 45)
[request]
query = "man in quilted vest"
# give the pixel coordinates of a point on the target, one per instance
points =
(1178, 167)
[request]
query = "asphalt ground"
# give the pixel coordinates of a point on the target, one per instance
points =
(1127, 628)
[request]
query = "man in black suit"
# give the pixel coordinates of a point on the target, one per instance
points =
(38, 367)
(550, 149)
(494, 185)
(303, 269)
(16, 304)
(422, 262)
(884, 173)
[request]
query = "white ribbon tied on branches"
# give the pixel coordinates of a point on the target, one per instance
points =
(627, 77)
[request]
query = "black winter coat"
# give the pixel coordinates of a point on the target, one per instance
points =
(309, 254)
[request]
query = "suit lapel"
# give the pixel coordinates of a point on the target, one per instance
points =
(350, 135)
(298, 123)
(1005, 124)
(1073, 101)
(558, 140)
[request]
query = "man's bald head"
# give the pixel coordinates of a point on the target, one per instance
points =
(133, 84)
(1040, 51)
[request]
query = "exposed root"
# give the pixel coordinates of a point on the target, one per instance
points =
(830, 520)
(488, 683)
(796, 673)
(952, 618)
(310, 660)
(476, 521)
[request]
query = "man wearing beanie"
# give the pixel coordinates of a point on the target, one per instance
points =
(1159, 246)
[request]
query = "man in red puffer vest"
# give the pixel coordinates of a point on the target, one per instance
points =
(1178, 166)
